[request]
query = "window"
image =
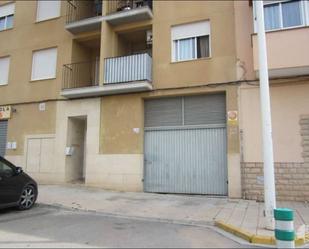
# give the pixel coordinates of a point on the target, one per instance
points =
(284, 14)
(307, 11)
(7, 16)
(48, 9)
(6, 170)
(44, 64)
(4, 70)
(191, 41)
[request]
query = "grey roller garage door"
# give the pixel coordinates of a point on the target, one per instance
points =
(185, 145)
(3, 133)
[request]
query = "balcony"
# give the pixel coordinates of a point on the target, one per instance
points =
(122, 11)
(83, 16)
(287, 52)
(124, 74)
(80, 74)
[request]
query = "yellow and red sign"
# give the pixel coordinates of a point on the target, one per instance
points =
(5, 112)
(232, 117)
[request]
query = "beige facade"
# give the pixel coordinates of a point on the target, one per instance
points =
(288, 70)
(94, 131)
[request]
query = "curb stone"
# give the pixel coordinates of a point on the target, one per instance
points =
(256, 239)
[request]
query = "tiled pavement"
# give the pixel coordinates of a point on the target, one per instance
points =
(199, 210)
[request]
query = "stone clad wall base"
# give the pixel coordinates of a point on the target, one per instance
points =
(118, 172)
(292, 181)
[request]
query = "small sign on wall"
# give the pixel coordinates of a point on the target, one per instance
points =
(11, 145)
(5, 112)
(42, 107)
(136, 130)
(232, 117)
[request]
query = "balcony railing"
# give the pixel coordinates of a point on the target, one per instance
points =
(81, 74)
(125, 69)
(78, 10)
(124, 5)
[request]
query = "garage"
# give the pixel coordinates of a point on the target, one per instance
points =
(3, 135)
(185, 148)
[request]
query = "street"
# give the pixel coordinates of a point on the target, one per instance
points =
(47, 226)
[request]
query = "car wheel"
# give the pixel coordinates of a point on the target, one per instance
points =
(27, 198)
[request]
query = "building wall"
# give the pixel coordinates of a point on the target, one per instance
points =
(26, 36)
(122, 113)
(114, 149)
(289, 106)
(292, 182)
(27, 119)
(25, 95)
(243, 31)
(219, 68)
(288, 102)
(293, 42)
(122, 171)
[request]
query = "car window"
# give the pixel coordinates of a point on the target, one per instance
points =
(5, 170)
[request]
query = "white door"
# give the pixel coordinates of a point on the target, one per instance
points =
(40, 155)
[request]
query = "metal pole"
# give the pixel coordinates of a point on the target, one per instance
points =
(268, 158)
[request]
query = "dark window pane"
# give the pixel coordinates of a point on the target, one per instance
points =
(291, 14)
(2, 23)
(272, 16)
(5, 170)
(203, 46)
(9, 21)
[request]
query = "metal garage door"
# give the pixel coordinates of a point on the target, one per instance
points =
(3, 134)
(185, 145)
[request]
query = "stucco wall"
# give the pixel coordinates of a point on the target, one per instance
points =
(288, 103)
(219, 68)
(28, 35)
(123, 172)
(122, 113)
(293, 42)
(243, 31)
(292, 179)
(29, 120)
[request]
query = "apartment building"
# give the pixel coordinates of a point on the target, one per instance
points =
(287, 35)
(153, 96)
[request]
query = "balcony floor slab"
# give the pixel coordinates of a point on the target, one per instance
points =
(134, 15)
(108, 89)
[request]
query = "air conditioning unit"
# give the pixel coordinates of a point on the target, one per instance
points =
(149, 37)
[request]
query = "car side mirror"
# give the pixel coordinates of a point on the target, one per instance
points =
(19, 170)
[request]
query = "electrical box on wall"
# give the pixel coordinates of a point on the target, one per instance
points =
(69, 151)
(42, 107)
(149, 37)
(14, 145)
(11, 145)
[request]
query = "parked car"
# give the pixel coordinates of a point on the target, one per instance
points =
(17, 189)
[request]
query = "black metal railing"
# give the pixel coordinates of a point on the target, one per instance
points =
(123, 5)
(79, 9)
(80, 74)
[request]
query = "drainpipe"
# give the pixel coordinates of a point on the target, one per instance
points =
(268, 157)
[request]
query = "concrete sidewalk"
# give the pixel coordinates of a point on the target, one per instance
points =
(184, 209)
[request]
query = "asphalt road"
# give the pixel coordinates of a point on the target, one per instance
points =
(45, 226)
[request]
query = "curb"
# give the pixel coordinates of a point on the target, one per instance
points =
(256, 239)
(206, 224)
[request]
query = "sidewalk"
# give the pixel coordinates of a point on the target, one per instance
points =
(198, 210)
